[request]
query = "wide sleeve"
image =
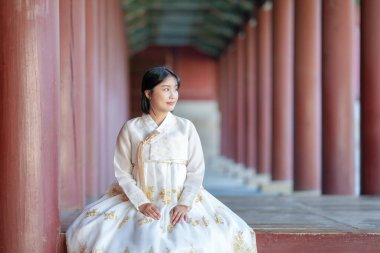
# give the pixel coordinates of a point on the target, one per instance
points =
(195, 169)
(123, 169)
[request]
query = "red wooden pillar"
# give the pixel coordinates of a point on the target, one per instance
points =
(282, 167)
(240, 99)
(92, 102)
(251, 93)
(338, 151)
(102, 99)
(370, 94)
(72, 104)
(222, 103)
(264, 55)
(117, 80)
(29, 77)
(229, 147)
(307, 100)
(231, 102)
(225, 115)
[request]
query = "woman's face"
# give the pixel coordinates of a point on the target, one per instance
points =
(164, 96)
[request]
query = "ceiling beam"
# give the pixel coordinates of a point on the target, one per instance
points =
(207, 25)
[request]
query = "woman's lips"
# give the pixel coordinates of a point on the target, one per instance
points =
(171, 103)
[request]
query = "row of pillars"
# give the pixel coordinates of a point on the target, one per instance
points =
(289, 82)
(63, 99)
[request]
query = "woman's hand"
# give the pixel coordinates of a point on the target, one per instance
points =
(178, 213)
(150, 210)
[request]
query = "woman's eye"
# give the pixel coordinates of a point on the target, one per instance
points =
(166, 89)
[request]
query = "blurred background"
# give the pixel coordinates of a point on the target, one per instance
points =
(284, 95)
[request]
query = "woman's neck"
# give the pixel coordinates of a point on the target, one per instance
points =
(157, 117)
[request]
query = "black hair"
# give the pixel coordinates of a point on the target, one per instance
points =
(151, 78)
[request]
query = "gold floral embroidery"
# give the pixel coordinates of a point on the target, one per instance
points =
(193, 222)
(218, 219)
(123, 222)
(198, 198)
(170, 228)
(165, 196)
(145, 220)
(92, 213)
(110, 216)
(205, 221)
(202, 221)
(150, 194)
(239, 244)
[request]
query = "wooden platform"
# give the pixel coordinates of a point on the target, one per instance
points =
(307, 224)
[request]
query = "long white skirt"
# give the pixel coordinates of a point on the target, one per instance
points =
(113, 225)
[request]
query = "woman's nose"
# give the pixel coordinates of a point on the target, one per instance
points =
(172, 94)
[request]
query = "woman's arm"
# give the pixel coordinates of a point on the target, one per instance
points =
(123, 169)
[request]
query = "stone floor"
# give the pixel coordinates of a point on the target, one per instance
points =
(311, 224)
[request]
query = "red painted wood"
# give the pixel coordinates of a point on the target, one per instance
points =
(307, 96)
(251, 93)
(370, 102)
(357, 53)
(117, 84)
(240, 87)
(316, 243)
(264, 72)
(223, 95)
(198, 73)
(72, 104)
(283, 71)
(92, 101)
(102, 95)
(29, 77)
(231, 137)
(300, 242)
(338, 147)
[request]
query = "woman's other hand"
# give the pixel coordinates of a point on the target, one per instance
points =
(150, 210)
(178, 213)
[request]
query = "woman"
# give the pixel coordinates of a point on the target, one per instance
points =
(158, 203)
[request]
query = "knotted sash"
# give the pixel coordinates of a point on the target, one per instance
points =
(140, 161)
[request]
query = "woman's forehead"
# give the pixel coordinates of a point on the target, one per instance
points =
(169, 81)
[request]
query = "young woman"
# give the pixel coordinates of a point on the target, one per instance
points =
(158, 203)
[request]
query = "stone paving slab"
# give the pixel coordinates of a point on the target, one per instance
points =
(320, 214)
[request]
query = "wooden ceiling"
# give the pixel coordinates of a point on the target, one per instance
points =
(208, 26)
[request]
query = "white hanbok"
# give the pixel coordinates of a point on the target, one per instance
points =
(172, 163)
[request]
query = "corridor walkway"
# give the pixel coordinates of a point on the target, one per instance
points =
(301, 224)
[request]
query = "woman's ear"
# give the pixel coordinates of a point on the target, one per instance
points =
(147, 94)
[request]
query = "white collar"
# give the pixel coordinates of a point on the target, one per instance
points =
(152, 125)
